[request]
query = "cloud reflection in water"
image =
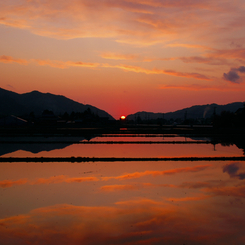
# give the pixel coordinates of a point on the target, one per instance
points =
(139, 221)
(123, 203)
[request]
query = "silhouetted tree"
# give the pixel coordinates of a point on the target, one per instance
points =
(66, 116)
(47, 113)
(139, 120)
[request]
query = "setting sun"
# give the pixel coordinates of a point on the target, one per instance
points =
(122, 117)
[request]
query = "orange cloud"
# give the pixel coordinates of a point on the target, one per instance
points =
(126, 21)
(9, 183)
(187, 199)
(82, 64)
(51, 63)
(55, 64)
(63, 65)
(186, 74)
(111, 188)
(51, 180)
(63, 178)
(81, 179)
(9, 59)
(138, 69)
(157, 173)
(114, 56)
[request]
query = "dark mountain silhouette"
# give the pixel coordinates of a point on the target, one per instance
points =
(197, 111)
(12, 103)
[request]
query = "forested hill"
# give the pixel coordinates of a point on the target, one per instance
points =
(197, 111)
(12, 103)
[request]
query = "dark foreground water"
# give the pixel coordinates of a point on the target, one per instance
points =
(181, 202)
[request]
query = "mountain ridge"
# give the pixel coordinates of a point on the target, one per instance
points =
(194, 112)
(12, 103)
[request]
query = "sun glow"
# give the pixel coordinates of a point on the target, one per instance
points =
(122, 117)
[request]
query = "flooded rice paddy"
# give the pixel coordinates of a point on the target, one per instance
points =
(120, 202)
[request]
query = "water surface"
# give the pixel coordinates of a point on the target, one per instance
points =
(187, 202)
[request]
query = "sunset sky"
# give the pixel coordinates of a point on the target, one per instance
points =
(125, 56)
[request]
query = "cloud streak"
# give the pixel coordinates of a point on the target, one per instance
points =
(47, 181)
(158, 173)
(114, 56)
(114, 188)
(137, 69)
(212, 56)
(63, 65)
(155, 71)
(10, 183)
(188, 199)
(9, 59)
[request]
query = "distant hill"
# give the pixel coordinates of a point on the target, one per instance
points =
(12, 103)
(197, 111)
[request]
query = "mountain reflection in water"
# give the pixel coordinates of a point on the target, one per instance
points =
(171, 203)
(176, 146)
(35, 144)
